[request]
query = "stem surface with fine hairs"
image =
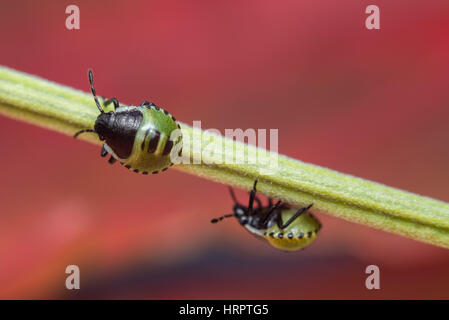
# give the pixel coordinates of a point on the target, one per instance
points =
(66, 110)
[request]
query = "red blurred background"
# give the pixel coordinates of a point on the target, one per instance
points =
(370, 103)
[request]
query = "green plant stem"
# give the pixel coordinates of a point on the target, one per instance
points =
(60, 108)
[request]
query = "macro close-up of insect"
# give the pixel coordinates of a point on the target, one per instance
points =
(284, 227)
(140, 137)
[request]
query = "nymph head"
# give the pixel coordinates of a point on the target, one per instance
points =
(239, 211)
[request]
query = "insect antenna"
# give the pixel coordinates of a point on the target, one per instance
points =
(91, 81)
(221, 218)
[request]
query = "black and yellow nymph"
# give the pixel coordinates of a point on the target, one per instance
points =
(142, 138)
(284, 227)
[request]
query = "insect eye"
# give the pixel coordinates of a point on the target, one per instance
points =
(239, 211)
(243, 219)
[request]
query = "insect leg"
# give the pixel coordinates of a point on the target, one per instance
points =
(252, 195)
(231, 191)
(293, 218)
(259, 203)
(112, 160)
(103, 151)
(270, 213)
(113, 100)
(145, 103)
(82, 131)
